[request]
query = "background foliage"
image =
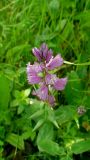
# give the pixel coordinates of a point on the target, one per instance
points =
(28, 129)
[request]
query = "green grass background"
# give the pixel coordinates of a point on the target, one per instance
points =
(65, 26)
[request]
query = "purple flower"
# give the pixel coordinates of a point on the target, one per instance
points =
(37, 53)
(51, 100)
(60, 84)
(57, 83)
(49, 55)
(43, 53)
(42, 92)
(46, 54)
(32, 73)
(54, 62)
(50, 79)
(47, 81)
(44, 50)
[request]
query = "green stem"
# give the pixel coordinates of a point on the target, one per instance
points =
(77, 64)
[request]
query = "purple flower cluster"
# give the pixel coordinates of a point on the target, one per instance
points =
(39, 73)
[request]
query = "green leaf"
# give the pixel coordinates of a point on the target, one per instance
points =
(2, 131)
(12, 53)
(37, 114)
(14, 103)
(73, 89)
(66, 158)
(15, 140)
(1, 143)
(20, 109)
(84, 17)
(35, 106)
(17, 94)
(45, 132)
(65, 114)
(81, 147)
(39, 123)
(67, 31)
(61, 25)
(51, 117)
(1, 153)
(28, 134)
(50, 147)
(4, 92)
(27, 92)
(54, 5)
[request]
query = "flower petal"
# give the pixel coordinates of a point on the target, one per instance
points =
(43, 46)
(42, 93)
(34, 79)
(34, 68)
(54, 62)
(51, 100)
(50, 79)
(49, 55)
(44, 50)
(32, 73)
(37, 53)
(60, 84)
(37, 67)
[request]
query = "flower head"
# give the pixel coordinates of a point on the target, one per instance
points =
(81, 110)
(46, 63)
